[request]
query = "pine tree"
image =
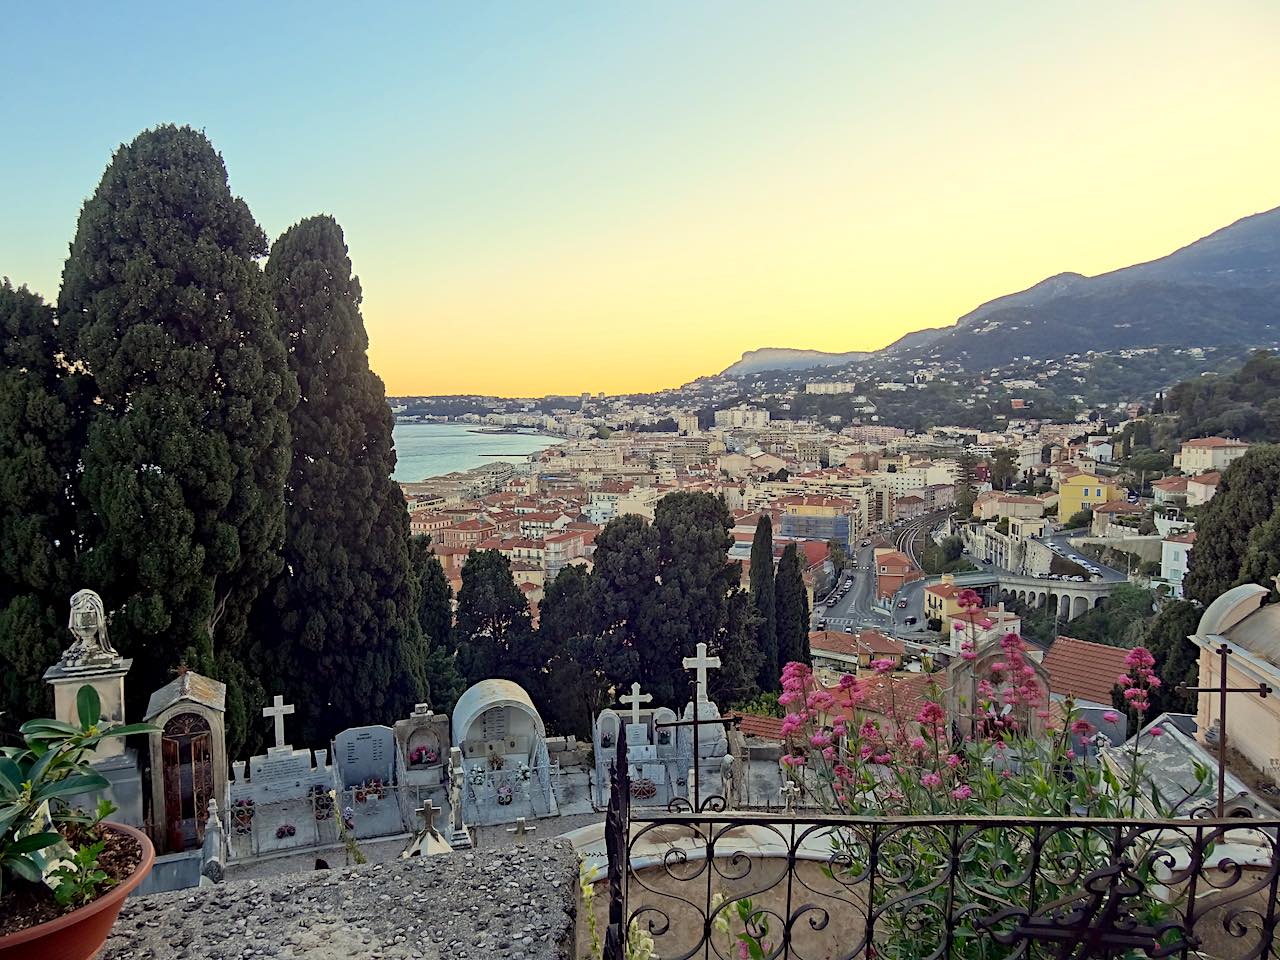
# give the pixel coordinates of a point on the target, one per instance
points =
(580, 666)
(625, 583)
(188, 447)
(345, 602)
(493, 633)
(42, 408)
(737, 679)
(1235, 520)
(439, 669)
(762, 601)
(793, 608)
(966, 489)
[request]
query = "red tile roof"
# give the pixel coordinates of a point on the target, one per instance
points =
(1084, 669)
(868, 643)
(751, 725)
(1213, 442)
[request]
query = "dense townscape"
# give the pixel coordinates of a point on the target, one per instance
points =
(844, 614)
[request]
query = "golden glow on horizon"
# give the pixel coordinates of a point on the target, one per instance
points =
(849, 230)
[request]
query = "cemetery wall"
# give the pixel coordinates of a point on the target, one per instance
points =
(517, 902)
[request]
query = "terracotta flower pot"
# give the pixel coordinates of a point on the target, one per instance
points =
(80, 934)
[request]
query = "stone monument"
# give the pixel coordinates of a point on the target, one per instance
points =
(91, 660)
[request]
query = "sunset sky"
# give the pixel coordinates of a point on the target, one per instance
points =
(557, 197)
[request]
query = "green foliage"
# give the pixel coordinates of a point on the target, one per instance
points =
(1121, 621)
(187, 447)
(966, 490)
(1081, 518)
(761, 705)
(493, 633)
(946, 556)
(793, 609)
(1236, 538)
(1177, 658)
(581, 666)
(345, 602)
(626, 571)
(37, 778)
(42, 410)
(1243, 404)
(1004, 468)
(79, 880)
(444, 684)
(764, 602)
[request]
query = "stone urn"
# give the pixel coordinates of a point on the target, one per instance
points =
(80, 934)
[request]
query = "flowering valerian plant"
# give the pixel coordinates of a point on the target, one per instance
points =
(1002, 751)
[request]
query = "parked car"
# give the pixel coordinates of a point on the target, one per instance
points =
(902, 604)
(822, 623)
(910, 621)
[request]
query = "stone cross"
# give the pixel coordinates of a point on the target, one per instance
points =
(423, 710)
(428, 812)
(521, 827)
(634, 699)
(277, 712)
(701, 663)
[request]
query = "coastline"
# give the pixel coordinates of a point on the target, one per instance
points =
(428, 450)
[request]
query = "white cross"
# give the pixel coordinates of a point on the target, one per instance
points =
(635, 698)
(701, 663)
(428, 812)
(278, 711)
(521, 827)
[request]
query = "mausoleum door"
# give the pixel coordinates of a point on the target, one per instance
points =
(186, 748)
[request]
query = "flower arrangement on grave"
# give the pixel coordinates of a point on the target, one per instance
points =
(371, 789)
(477, 776)
(348, 819)
(505, 794)
(524, 771)
(423, 756)
(285, 830)
(644, 788)
(606, 739)
(664, 737)
(497, 761)
(1018, 759)
(242, 812)
(321, 802)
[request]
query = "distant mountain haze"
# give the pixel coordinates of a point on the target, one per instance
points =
(1221, 289)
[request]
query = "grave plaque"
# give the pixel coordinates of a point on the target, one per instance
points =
(280, 769)
(637, 734)
(365, 753)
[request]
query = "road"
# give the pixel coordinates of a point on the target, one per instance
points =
(1074, 555)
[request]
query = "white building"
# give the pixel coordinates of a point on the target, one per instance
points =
(1175, 550)
(833, 387)
(1210, 453)
(752, 418)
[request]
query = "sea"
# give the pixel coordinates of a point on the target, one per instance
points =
(431, 449)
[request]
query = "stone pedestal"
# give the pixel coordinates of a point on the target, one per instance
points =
(108, 680)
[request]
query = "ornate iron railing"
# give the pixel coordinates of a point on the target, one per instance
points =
(703, 883)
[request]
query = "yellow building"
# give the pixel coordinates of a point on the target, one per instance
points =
(940, 601)
(1084, 490)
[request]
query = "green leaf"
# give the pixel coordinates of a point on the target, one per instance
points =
(10, 775)
(128, 730)
(25, 867)
(88, 706)
(44, 726)
(76, 783)
(35, 841)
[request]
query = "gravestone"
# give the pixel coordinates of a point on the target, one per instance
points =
(422, 759)
(365, 760)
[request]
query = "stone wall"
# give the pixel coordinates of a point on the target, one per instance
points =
(517, 902)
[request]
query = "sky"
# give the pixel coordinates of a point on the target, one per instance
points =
(605, 196)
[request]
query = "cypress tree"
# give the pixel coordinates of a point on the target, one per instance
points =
(793, 608)
(345, 603)
(444, 685)
(41, 417)
(188, 446)
(493, 627)
(763, 602)
(625, 582)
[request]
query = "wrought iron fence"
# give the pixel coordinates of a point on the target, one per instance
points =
(705, 883)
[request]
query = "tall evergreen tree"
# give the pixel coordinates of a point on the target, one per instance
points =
(444, 684)
(493, 632)
(625, 582)
(345, 603)
(1235, 522)
(188, 446)
(793, 609)
(737, 679)
(697, 581)
(581, 667)
(762, 601)
(42, 407)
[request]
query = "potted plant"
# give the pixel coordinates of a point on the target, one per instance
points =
(64, 874)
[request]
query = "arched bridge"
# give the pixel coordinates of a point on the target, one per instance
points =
(1069, 598)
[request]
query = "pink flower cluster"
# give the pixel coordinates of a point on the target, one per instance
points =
(1140, 680)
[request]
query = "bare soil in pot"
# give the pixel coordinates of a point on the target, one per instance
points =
(26, 905)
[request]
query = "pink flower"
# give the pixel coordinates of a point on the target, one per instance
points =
(1071, 754)
(882, 758)
(866, 751)
(953, 760)
(791, 723)
(1111, 716)
(820, 739)
(828, 753)
(931, 713)
(820, 700)
(788, 697)
(1134, 693)
(744, 951)
(1007, 774)
(1082, 728)
(793, 761)
(1140, 657)
(962, 792)
(1156, 731)
(847, 682)
(883, 665)
(917, 743)
(1124, 680)
(931, 780)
